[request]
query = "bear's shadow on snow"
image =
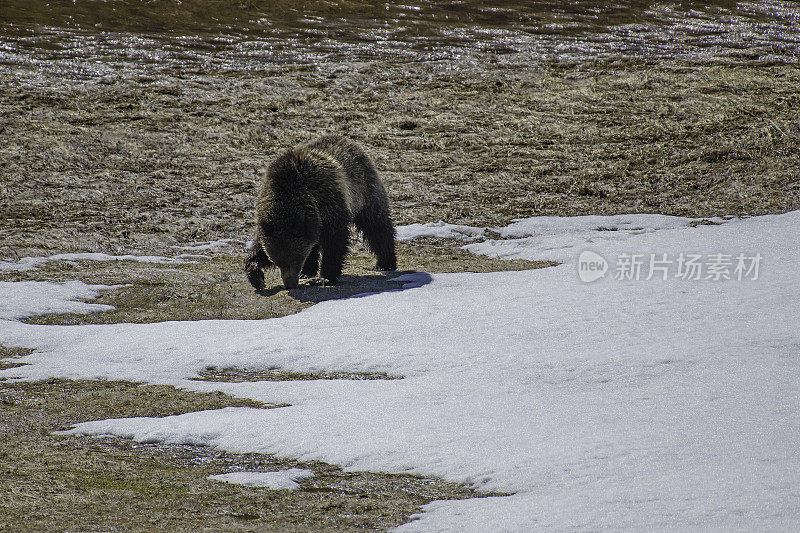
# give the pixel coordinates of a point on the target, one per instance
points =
(351, 286)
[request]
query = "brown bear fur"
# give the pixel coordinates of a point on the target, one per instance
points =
(309, 197)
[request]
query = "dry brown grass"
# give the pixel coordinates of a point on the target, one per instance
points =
(142, 166)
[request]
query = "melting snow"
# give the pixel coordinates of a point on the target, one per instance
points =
(280, 480)
(622, 403)
(29, 263)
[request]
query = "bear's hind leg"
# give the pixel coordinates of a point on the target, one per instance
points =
(256, 261)
(378, 231)
(311, 266)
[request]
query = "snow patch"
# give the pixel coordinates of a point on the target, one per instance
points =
(547, 225)
(280, 480)
(561, 239)
(210, 245)
(25, 263)
(30, 263)
(33, 298)
(439, 230)
(549, 238)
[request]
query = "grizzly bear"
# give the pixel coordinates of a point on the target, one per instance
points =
(309, 197)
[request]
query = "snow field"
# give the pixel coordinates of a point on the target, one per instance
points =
(633, 405)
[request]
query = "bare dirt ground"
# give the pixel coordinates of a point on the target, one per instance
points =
(142, 165)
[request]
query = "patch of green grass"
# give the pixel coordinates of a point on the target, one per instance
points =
(10, 352)
(104, 482)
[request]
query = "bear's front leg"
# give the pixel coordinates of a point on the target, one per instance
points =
(311, 266)
(334, 249)
(256, 261)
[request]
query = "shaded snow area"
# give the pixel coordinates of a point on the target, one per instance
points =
(32, 298)
(280, 480)
(30, 263)
(624, 403)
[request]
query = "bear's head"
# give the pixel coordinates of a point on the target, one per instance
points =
(289, 243)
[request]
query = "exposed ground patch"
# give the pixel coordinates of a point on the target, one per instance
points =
(50, 482)
(239, 375)
(8, 356)
(216, 287)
